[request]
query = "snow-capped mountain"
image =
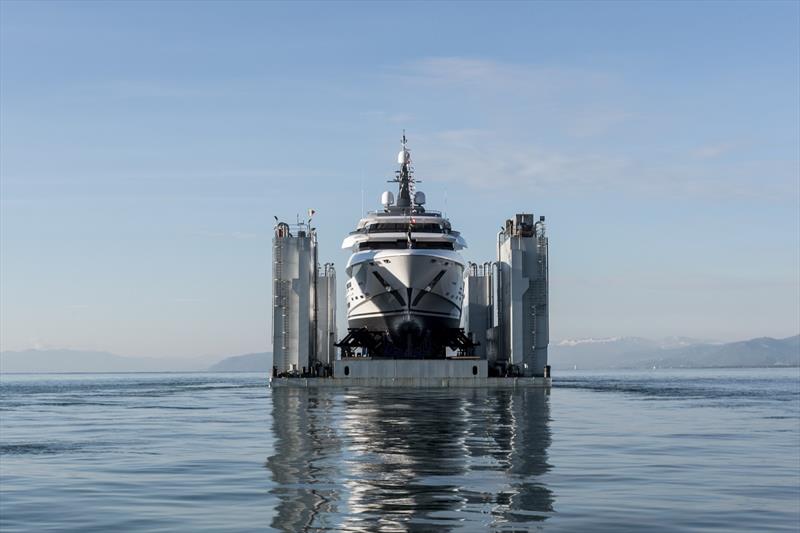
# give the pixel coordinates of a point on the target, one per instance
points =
(638, 352)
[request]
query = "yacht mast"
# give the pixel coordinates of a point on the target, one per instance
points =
(404, 177)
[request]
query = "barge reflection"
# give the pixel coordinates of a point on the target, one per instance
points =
(410, 460)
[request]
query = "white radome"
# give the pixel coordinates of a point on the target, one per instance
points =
(403, 157)
(387, 198)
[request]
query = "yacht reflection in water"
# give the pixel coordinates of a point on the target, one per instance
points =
(410, 460)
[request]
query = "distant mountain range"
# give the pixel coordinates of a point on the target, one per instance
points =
(94, 361)
(611, 352)
(250, 362)
(673, 352)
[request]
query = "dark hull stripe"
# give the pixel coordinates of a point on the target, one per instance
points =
(394, 292)
(399, 312)
(430, 287)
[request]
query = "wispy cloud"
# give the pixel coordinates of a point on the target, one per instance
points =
(186, 300)
(236, 235)
(483, 159)
(394, 118)
(580, 102)
(711, 151)
(596, 122)
(530, 127)
(464, 71)
(488, 160)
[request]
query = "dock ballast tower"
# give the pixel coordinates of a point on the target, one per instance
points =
(506, 301)
(304, 304)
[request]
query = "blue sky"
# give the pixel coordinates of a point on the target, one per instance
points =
(145, 147)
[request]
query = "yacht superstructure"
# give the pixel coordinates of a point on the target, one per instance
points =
(405, 278)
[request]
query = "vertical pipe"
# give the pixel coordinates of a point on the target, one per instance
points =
(315, 272)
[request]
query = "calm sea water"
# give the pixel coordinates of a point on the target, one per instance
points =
(696, 450)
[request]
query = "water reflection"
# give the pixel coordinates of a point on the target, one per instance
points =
(410, 460)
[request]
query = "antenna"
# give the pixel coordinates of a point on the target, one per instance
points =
(404, 177)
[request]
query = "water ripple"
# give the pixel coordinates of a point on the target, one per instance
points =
(661, 451)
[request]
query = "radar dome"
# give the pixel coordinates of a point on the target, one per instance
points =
(403, 157)
(387, 198)
(419, 198)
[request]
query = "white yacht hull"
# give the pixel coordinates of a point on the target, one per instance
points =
(413, 295)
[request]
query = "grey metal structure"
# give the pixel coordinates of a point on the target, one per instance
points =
(304, 303)
(326, 315)
(477, 312)
(506, 302)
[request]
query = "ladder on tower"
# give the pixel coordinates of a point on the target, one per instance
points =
(280, 294)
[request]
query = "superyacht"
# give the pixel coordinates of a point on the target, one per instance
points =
(404, 288)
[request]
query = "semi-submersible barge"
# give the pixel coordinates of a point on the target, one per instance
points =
(417, 313)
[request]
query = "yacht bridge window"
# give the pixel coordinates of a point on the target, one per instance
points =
(403, 244)
(402, 227)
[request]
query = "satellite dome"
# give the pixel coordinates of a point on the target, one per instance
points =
(419, 198)
(403, 157)
(387, 198)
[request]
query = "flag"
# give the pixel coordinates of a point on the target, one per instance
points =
(311, 213)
